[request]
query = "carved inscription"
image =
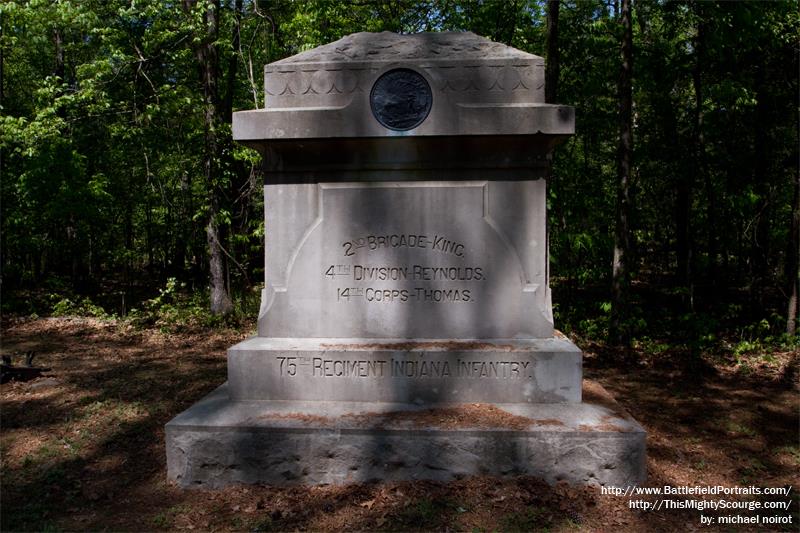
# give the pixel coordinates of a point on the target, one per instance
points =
(437, 243)
(406, 273)
(422, 368)
(412, 283)
(417, 294)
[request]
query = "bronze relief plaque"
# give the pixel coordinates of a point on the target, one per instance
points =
(401, 99)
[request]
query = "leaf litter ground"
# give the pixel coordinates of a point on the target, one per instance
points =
(83, 448)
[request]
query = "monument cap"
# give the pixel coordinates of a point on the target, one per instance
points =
(389, 85)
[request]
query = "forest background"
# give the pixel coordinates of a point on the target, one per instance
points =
(673, 212)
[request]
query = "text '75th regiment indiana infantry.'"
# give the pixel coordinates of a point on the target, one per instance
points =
(401, 368)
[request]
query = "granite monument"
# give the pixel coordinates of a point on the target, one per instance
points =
(406, 281)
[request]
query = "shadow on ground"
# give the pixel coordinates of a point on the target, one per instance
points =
(86, 451)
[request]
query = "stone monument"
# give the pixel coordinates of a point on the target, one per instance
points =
(406, 329)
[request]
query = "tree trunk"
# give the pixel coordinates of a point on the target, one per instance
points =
(128, 269)
(793, 261)
(686, 182)
(553, 56)
(759, 254)
(181, 235)
(550, 95)
(208, 61)
(683, 207)
(2, 64)
(703, 176)
(148, 234)
(58, 64)
(239, 184)
(233, 64)
(617, 332)
(220, 299)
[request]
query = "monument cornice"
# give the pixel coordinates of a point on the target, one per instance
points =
(265, 125)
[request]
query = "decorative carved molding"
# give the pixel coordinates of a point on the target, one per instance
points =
(447, 78)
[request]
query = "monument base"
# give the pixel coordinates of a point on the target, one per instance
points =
(218, 442)
(406, 371)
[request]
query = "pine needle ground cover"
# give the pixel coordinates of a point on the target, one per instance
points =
(83, 448)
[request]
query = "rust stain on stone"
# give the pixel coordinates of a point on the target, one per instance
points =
(594, 393)
(427, 345)
(600, 427)
(299, 417)
(548, 422)
(604, 425)
(461, 416)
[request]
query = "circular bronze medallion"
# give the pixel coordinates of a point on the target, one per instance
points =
(401, 99)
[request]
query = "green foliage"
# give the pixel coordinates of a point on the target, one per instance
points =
(175, 309)
(755, 341)
(532, 519)
(103, 137)
(166, 518)
(172, 310)
(425, 512)
(81, 307)
(263, 525)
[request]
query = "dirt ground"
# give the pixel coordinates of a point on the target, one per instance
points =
(83, 448)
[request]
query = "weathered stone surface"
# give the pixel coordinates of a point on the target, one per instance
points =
(406, 270)
(462, 66)
(478, 87)
(447, 119)
(388, 47)
(219, 441)
(419, 372)
(407, 260)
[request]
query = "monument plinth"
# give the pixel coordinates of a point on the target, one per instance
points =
(406, 272)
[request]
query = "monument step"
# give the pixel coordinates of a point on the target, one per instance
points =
(219, 442)
(412, 371)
